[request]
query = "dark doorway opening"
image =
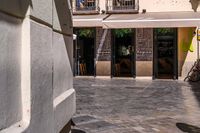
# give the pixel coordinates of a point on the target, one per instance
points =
(84, 52)
(165, 53)
(123, 55)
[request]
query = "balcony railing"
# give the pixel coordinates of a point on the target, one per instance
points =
(85, 6)
(120, 6)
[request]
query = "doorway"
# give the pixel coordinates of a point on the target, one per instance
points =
(123, 55)
(84, 52)
(165, 53)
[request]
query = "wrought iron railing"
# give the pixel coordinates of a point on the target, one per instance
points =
(122, 5)
(85, 5)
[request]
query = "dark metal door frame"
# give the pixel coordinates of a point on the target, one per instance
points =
(155, 55)
(112, 54)
(175, 76)
(133, 56)
(75, 56)
(95, 56)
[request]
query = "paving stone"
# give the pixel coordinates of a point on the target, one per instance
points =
(137, 106)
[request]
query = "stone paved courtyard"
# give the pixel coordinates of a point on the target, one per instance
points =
(136, 106)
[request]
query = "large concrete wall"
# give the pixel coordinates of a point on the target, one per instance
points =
(41, 78)
(10, 73)
(63, 93)
(37, 94)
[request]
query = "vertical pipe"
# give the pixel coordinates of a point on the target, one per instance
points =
(197, 49)
(198, 39)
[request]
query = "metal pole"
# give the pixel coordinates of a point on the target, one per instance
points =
(198, 39)
(197, 49)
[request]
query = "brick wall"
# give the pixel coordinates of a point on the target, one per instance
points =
(105, 53)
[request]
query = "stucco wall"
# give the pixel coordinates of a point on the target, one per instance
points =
(163, 5)
(186, 57)
(144, 68)
(168, 5)
(102, 4)
(103, 68)
(37, 95)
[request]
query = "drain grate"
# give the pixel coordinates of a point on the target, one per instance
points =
(97, 125)
(83, 119)
(90, 123)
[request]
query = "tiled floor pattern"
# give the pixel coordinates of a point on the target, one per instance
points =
(136, 106)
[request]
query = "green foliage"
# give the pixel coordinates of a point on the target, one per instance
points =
(122, 32)
(164, 31)
(89, 33)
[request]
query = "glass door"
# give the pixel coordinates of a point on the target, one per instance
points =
(165, 53)
(85, 47)
(123, 55)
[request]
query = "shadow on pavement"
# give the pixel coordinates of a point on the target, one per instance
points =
(196, 90)
(188, 128)
(77, 131)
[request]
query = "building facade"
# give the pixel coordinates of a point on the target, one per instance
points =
(36, 78)
(133, 38)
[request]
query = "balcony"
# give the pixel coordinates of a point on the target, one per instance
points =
(85, 7)
(122, 6)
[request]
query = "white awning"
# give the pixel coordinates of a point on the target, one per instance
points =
(152, 20)
(88, 20)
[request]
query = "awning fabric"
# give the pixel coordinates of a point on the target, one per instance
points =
(88, 20)
(152, 20)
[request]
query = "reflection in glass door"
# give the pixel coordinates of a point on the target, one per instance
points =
(165, 53)
(123, 55)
